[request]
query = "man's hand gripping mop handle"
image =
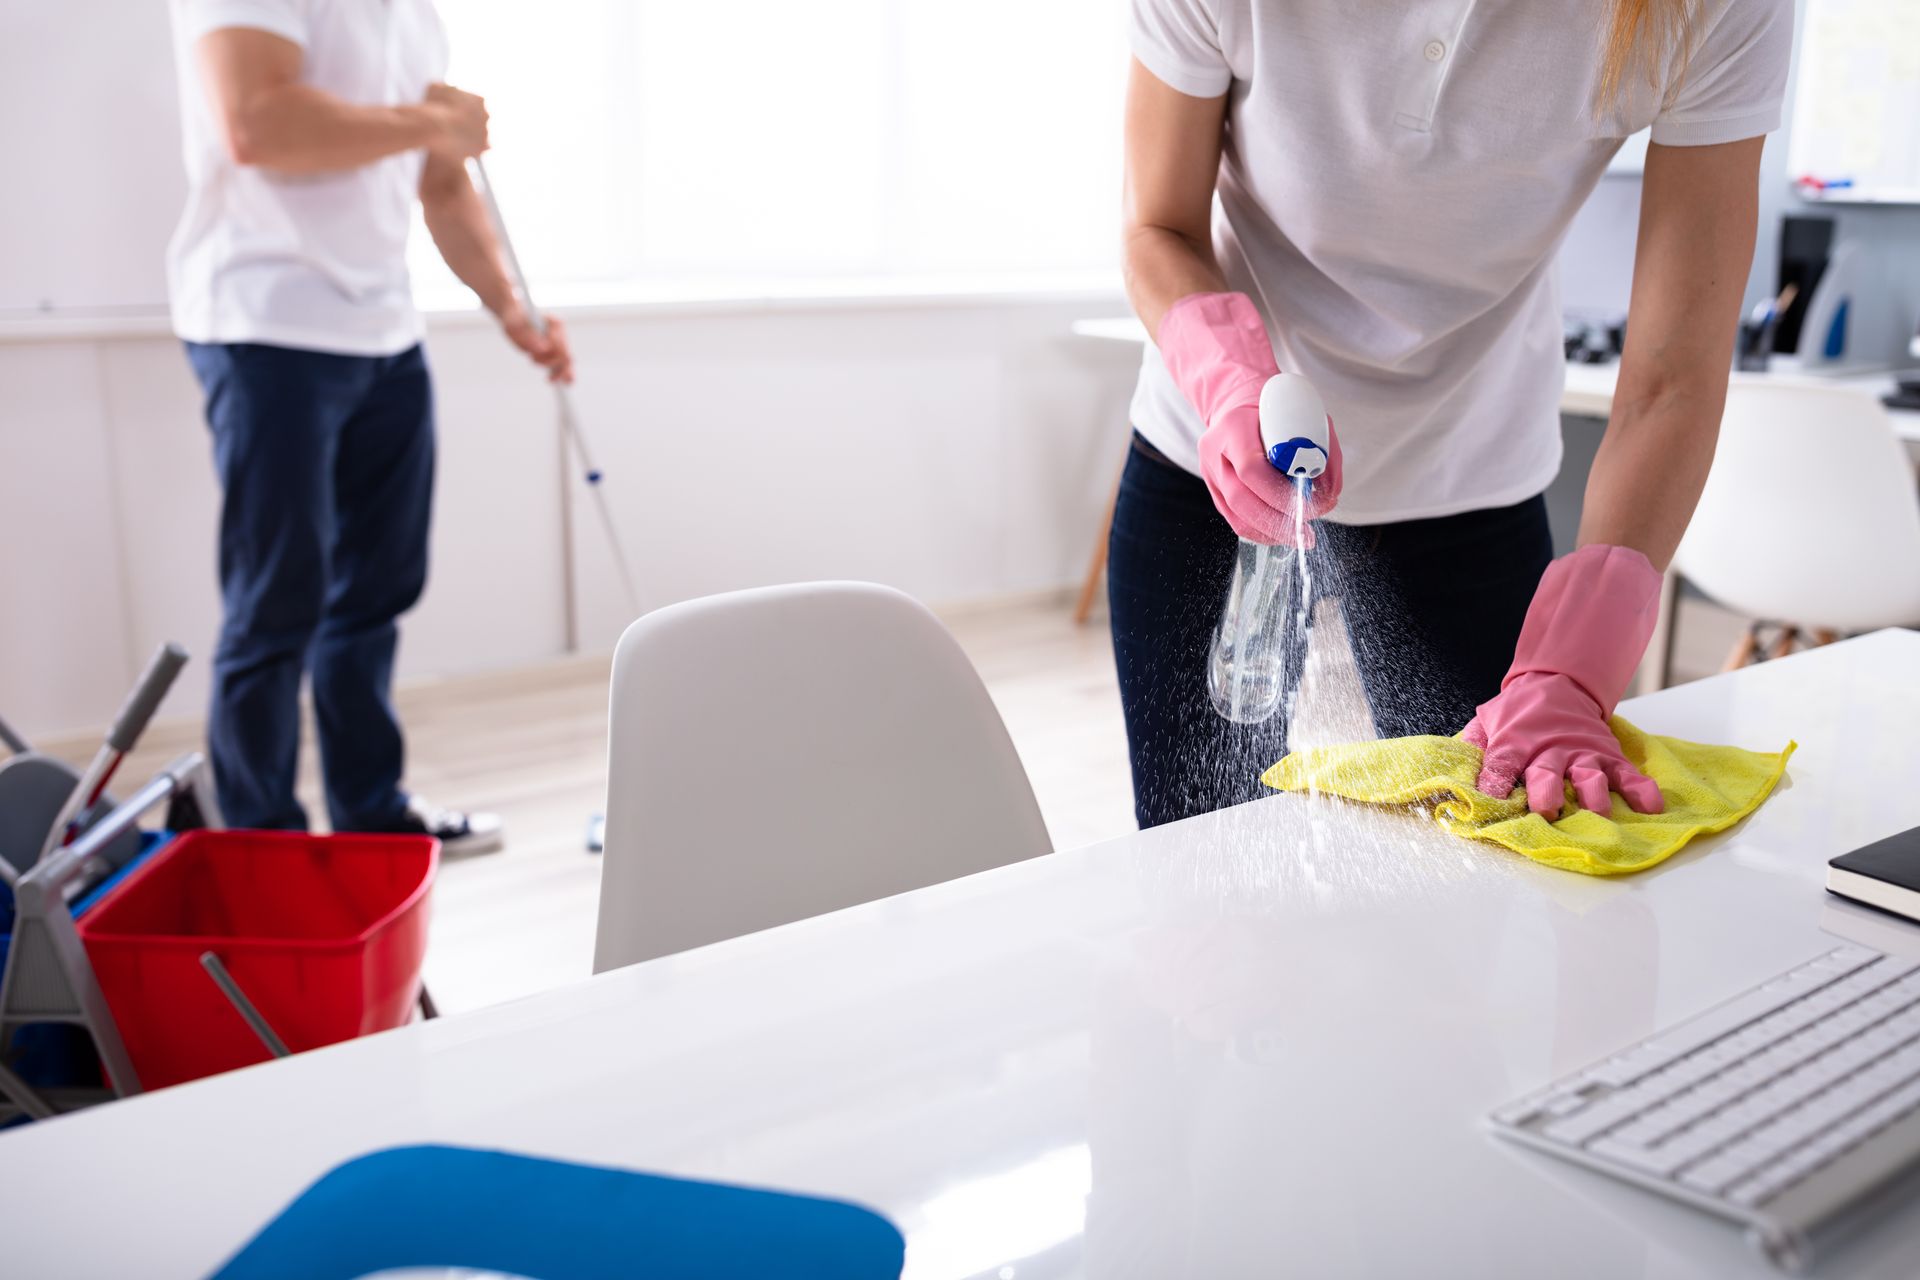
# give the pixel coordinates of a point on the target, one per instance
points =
(569, 423)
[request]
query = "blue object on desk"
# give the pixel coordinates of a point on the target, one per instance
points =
(427, 1207)
(1836, 344)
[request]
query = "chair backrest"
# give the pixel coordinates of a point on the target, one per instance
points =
(1811, 514)
(779, 753)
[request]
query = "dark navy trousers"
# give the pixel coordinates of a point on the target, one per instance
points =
(1433, 609)
(326, 468)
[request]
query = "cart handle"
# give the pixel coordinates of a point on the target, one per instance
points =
(127, 727)
(243, 1006)
(68, 861)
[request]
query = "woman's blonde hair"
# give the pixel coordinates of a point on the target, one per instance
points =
(1640, 34)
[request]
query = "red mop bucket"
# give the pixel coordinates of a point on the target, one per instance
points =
(323, 934)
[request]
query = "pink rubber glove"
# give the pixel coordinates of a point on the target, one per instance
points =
(1588, 624)
(1216, 348)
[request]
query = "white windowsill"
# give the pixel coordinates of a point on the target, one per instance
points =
(622, 299)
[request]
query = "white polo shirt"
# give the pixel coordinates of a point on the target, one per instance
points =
(316, 261)
(1395, 184)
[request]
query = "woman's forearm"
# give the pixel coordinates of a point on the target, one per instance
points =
(1163, 266)
(1173, 156)
(1698, 207)
(1653, 462)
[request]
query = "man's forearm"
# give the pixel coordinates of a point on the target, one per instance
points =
(1653, 462)
(298, 129)
(464, 235)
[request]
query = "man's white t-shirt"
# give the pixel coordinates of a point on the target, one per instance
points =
(1395, 183)
(315, 261)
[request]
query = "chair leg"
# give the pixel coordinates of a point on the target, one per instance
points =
(1783, 644)
(1096, 565)
(1744, 650)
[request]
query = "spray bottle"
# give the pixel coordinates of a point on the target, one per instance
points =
(1246, 670)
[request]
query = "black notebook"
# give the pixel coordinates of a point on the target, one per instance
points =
(1884, 875)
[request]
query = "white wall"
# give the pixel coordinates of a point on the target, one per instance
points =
(958, 448)
(957, 452)
(92, 79)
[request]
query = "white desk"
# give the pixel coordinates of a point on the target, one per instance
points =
(1589, 388)
(1256, 1043)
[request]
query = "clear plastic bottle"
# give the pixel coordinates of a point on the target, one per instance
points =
(1247, 668)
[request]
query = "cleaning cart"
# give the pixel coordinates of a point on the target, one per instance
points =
(64, 845)
(60, 1047)
(200, 951)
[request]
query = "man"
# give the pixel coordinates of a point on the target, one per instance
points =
(310, 128)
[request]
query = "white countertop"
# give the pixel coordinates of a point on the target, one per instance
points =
(1589, 389)
(1255, 1043)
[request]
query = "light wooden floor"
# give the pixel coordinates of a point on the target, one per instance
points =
(531, 745)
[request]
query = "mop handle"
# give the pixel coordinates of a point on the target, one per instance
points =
(145, 698)
(127, 728)
(517, 277)
(569, 421)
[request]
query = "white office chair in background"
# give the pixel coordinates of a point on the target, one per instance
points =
(1810, 517)
(778, 753)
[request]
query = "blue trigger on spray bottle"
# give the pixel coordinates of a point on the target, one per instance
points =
(1247, 665)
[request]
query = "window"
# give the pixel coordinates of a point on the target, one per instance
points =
(769, 141)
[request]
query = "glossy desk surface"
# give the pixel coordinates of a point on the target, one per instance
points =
(1253, 1044)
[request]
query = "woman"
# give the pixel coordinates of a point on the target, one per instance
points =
(1392, 183)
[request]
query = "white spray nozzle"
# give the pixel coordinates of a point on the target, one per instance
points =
(1293, 426)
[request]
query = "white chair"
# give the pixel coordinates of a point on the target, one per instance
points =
(779, 753)
(1810, 516)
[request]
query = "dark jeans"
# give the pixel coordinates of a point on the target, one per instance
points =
(1433, 608)
(326, 464)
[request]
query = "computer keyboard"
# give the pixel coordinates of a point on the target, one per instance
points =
(1794, 1108)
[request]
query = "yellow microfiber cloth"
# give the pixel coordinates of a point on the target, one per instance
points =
(1707, 789)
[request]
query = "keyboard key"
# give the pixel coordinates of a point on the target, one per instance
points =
(1693, 1144)
(1752, 1152)
(1655, 1160)
(1642, 1132)
(1843, 959)
(1595, 1120)
(1716, 1175)
(1688, 1109)
(1623, 1070)
(1704, 1030)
